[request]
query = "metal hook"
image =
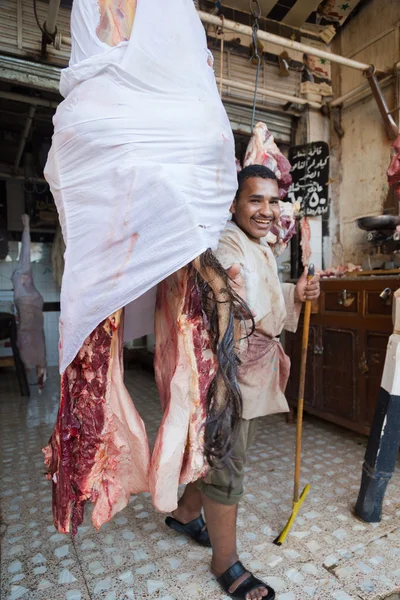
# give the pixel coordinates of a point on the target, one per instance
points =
(255, 8)
(219, 30)
(255, 39)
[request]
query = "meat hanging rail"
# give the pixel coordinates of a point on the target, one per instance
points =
(223, 23)
(281, 41)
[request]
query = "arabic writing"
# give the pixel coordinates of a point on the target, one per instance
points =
(310, 173)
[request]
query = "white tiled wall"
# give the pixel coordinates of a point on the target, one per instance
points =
(44, 282)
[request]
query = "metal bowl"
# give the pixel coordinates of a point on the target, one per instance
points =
(381, 222)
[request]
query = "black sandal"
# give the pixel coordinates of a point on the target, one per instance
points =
(227, 579)
(196, 530)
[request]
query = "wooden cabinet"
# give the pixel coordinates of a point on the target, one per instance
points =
(347, 346)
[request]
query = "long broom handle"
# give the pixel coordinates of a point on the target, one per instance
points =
(300, 403)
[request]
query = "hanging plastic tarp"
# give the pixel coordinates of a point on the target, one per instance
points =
(142, 164)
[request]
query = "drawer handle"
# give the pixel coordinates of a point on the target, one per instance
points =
(346, 298)
(386, 296)
(318, 350)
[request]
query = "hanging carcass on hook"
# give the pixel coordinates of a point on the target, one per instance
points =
(142, 170)
(262, 150)
(29, 304)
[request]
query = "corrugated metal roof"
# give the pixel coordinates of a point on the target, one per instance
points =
(20, 36)
(239, 68)
(279, 125)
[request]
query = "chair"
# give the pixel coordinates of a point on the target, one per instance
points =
(8, 330)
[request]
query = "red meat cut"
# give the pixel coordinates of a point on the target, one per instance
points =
(99, 449)
(185, 365)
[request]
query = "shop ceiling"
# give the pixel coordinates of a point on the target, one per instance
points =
(321, 19)
(312, 15)
(35, 83)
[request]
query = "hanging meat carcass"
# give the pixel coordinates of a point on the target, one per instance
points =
(305, 241)
(29, 304)
(98, 449)
(262, 150)
(142, 170)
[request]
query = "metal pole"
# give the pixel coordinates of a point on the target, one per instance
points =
(273, 39)
(264, 92)
(52, 14)
(355, 91)
(392, 130)
(25, 133)
(280, 41)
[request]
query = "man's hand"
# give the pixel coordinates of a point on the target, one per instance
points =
(307, 290)
(236, 279)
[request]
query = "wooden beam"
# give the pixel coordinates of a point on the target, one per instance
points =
(243, 5)
(300, 12)
(267, 6)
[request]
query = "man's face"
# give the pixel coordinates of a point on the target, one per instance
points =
(327, 8)
(311, 63)
(257, 208)
(393, 171)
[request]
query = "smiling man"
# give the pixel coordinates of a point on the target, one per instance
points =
(262, 375)
(243, 250)
(265, 368)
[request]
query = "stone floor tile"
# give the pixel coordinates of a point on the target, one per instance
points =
(328, 555)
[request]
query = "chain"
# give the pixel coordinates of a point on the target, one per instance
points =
(255, 10)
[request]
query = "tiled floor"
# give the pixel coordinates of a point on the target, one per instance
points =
(329, 554)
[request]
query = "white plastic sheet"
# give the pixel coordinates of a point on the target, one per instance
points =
(142, 164)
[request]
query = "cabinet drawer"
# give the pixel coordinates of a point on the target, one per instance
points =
(375, 305)
(342, 301)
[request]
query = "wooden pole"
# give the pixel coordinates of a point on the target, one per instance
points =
(302, 383)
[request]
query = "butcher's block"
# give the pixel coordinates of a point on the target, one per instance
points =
(349, 332)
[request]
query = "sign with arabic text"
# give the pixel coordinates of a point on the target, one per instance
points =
(310, 173)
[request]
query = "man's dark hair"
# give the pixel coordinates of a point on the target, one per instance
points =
(254, 171)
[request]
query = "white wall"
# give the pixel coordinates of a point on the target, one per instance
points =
(361, 157)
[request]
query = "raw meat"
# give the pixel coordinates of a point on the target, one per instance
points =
(29, 304)
(142, 170)
(339, 271)
(185, 366)
(280, 234)
(393, 172)
(305, 241)
(116, 19)
(99, 449)
(262, 150)
(196, 372)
